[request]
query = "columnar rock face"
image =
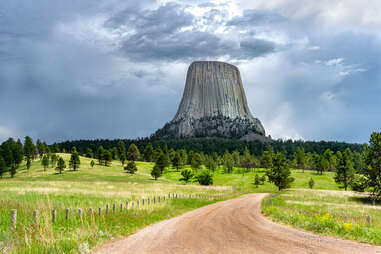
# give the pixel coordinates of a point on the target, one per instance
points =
(213, 104)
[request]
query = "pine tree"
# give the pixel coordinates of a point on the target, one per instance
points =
(3, 167)
(372, 158)
(92, 163)
(45, 162)
(211, 164)
(28, 163)
(107, 158)
(156, 171)
(148, 152)
(177, 161)
(74, 161)
(196, 161)
(133, 153)
(267, 158)
(61, 165)
(29, 148)
(53, 160)
(246, 161)
(228, 162)
(344, 169)
(256, 180)
(280, 172)
(100, 155)
(300, 157)
(131, 167)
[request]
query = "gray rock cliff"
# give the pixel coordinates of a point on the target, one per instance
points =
(213, 105)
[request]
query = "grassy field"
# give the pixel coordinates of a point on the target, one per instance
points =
(36, 189)
(336, 213)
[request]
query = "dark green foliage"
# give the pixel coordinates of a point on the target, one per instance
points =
(211, 164)
(115, 153)
(311, 183)
(267, 158)
(74, 161)
(177, 161)
(246, 161)
(344, 169)
(228, 162)
(3, 167)
(133, 153)
(256, 180)
(53, 160)
(28, 163)
(89, 153)
(331, 159)
(205, 177)
(280, 173)
(372, 171)
(29, 148)
(359, 183)
(196, 161)
(92, 163)
(156, 171)
(162, 162)
(107, 157)
(263, 179)
(300, 158)
(61, 165)
(131, 167)
(100, 155)
(45, 161)
(187, 175)
(148, 152)
(322, 164)
(122, 151)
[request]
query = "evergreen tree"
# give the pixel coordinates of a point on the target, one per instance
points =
(311, 183)
(45, 161)
(300, 157)
(256, 180)
(162, 162)
(53, 160)
(107, 158)
(280, 173)
(133, 153)
(187, 174)
(100, 155)
(148, 152)
(61, 165)
(267, 157)
(184, 156)
(331, 159)
(3, 167)
(205, 177)
(372, 158)
(322, 164)
(123, 158)
(28, 163)
(156, 171)
(211, 164)
(74, 161)
(177, 161)
(236, 158)
(196, 161)
(344, 169)
(131, 167)
(18, 152)
(115, 153)
(228, 162)
(89, 153)
(246, 161)
(92, 163)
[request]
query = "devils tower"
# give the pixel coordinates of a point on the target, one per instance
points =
(213, 105)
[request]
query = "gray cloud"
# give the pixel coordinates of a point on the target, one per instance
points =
(108, 69)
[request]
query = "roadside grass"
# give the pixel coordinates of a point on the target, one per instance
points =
(335, 213)
(37, 189)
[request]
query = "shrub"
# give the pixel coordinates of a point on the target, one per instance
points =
(131, 167)
(187, 175)
(359, 183)
(256, 180)
(205, 178)
(311, 183)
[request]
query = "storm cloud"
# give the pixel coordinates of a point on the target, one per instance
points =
(116, 69)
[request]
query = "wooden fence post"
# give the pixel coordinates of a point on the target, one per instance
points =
(107, 208)
(169, 195)
(158, 199)
(368, 221)
(143, 201)
(113, 208)
(137, 203)
(13, 217)
(99, 211)
(154, 200)
(91, 212)
(80, 213)
(67, 212)
(35, 216)
(54, 214)
(121, 207)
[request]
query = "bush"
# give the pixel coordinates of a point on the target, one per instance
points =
(311, 183)
(256, 180)
(359, 183)
(187, 175)
(131, 167)
(263, 180)
(205, 178)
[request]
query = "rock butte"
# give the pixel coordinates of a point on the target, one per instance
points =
(213, 105)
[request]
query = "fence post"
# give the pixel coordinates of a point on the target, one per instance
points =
(143, 201)
(91, 211)
(80, 213)
(13, 217)
(54, 214)
(368, 220)
(121, 207)
(67, 212)
(158, 199)
(107, 208)
(169, 195)
(127, 205)
(164, 198)
(113, 208)
(137, 203)
(154, 200)
(99, 211)
(35, 216)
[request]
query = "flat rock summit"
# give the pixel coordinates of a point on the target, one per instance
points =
(213, 105)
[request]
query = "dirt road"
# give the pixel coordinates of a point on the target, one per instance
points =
(233, 226)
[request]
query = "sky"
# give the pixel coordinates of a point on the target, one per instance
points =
(116, 69)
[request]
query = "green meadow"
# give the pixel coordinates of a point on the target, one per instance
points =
(97, 187)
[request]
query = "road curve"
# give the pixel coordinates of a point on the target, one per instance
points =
(233, 226)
